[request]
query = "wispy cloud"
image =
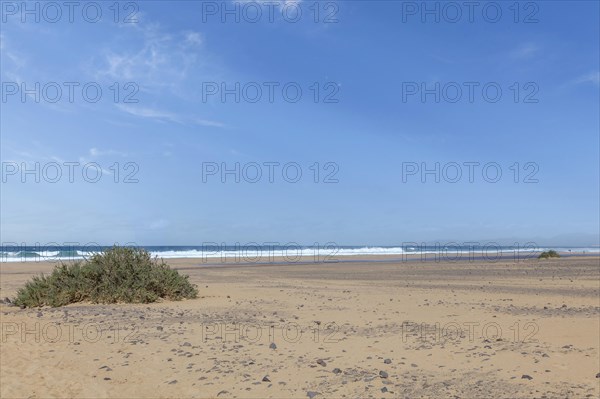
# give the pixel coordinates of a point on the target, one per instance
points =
(152, 58)
(165, 116)
(38, 153)
(525, 50)
(592, 77)
(193, 38)
(205, 122)
(150, 113)
(94, 152)
(13, 61)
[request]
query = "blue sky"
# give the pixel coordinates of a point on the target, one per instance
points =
(365, 59)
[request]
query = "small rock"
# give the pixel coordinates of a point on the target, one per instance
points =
(383, 374)
(273, 346)
(336, 371)
(266, 379)
(598, 375)
(384, 389)
(222, 393)
(387, 361)
(311, 394)
(526, 377)
(321, 362)
(159, 328)
(173, 382)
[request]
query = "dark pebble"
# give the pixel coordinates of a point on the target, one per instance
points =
(383, 374)
(387, 361)
(526, 377)
(266, 379)
(273, 346)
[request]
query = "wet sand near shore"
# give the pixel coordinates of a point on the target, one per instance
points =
(359, 329)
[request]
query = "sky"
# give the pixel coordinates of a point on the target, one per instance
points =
(354, 122)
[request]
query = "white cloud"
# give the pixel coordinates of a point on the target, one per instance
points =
(193, 38)
(94, 152)
(525, 50)
(204, 122)
(13, 61)
(153, 59)
(592, 77)
(165, 116)
(38, 154)
(150, 113)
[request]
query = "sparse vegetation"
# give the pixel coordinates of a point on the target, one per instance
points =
(119, 274)
(549, 254)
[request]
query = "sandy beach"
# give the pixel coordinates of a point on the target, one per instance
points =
(356, 329)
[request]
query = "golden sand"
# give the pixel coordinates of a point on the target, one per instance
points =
(340, 330)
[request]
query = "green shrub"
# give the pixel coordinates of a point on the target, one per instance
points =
(549, 254)
(119, 274)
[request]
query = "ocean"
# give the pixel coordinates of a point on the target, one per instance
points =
(291, 252)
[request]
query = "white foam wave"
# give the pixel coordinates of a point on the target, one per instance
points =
(265, 254)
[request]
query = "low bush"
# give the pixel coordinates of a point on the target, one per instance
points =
(549, 254)
(119, 274)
